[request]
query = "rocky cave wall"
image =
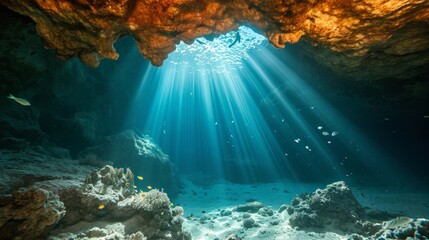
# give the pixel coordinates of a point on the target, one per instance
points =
(352, 37)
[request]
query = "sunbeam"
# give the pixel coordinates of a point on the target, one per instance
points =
(222, 114)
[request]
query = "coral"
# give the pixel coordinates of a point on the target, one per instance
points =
(110, 182)
(404, 228)
(29, 213)
(141, 155)
(104, 205)
(334, 207)
(147, 212)
(357, 30)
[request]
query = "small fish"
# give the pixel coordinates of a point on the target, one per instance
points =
(101, 206)
(134, 186)
(319, 127)
(162, 213)
(333, 134)
(426, 116)
(325, 133)
(363, 195)
(140, 178)
(21, 101)
(171, 204)
(149, 187)
(142, 195)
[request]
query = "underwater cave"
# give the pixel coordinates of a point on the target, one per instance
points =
(212, 119)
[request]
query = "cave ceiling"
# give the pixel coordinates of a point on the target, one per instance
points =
(365, 39)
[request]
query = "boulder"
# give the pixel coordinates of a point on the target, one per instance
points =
(334, 208)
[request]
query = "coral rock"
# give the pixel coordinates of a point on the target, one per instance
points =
(29, 214)
(124, 214)
(334, 207)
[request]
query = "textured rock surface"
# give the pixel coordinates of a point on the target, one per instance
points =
(251, 207)
(399, 228)
(147, 214)
(356, 29)
(72, 205)
(24, 166)
(334, 208)
(29, 213)
(142, 156)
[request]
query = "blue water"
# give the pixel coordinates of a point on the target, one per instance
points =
(272, 118)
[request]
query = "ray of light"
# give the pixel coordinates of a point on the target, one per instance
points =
(214, 114)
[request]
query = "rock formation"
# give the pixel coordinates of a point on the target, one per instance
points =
(333, 208)
(104, 205)
(129, 150)
(29, 213)
(358, 32)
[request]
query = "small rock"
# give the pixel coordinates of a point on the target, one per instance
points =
(248, 223)
(282, 208)
(265, 212)
(225, 212)
(275, 222)
(251, 207)
(232, 237)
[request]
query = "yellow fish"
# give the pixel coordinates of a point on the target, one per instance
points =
(142, 195)
(140, 178)
(101, 206)
(149, 187)
(162, 213)
(21, 101)
(171, 204)
(135, 186)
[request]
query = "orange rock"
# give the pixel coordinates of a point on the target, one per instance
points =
(353, 28)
